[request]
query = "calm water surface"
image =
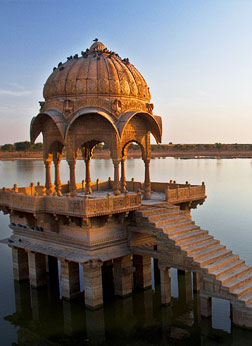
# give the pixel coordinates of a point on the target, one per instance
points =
(39, 317)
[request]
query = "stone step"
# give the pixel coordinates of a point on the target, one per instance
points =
(168, 228)
(243, 290)
(219, 273)
(234, 273)
(163, 216)
(189, 235)
(247, 299)
(183, 230)
(153, 211)
(171, 220)
(204, 261)
(193, 249)
(208, 251)
(195, 241)
(221, 263)
(240, 281)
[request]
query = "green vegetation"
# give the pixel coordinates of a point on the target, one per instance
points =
(22, 146)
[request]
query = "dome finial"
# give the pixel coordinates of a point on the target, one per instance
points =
(95, 40)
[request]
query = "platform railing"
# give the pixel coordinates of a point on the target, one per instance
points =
(80, 206)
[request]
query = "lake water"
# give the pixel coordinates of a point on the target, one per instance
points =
(39, 317)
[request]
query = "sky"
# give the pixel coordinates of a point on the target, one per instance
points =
(196, 56)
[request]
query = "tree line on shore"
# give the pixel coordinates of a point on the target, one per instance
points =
(28, 146)
(22, 146)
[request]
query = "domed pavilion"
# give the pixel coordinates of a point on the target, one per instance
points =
(111, 238)
(96, 97)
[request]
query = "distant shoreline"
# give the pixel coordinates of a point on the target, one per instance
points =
(136, 153)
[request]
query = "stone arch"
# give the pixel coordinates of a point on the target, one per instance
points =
(137, 124)
(87, 128)
(54, 117)
(126, 145)
(92, 125)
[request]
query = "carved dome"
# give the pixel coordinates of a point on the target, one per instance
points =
(97, 72)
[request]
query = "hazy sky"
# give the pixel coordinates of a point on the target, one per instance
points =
(196, 57)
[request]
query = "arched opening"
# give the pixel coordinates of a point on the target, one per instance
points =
(131, 146)
(86, 130)
(51, 126)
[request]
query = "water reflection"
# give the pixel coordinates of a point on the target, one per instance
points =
(43, 319)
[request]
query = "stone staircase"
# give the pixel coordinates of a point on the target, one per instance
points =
(212, 260)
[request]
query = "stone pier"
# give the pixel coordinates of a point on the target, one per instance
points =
(143, 277)
(123, 275)
(205, 305)
(70, 279)
(165, 284)
(37, 269)
(20, 264)
(93, 284)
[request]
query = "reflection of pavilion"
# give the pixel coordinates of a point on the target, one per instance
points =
(43, 319)
(101, 98)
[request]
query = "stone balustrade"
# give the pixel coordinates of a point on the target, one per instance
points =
(178, 193)
(80, 206)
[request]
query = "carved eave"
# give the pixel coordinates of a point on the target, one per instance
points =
(38, 122)
(155, 123)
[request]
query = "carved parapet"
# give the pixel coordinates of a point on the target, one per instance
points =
(179, 193)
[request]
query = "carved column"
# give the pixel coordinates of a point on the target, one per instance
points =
(87, 158)
(70, 279)
(37, 269)
(20, 264)
(93, 283)
(143, 271)
(165, 284)
(48, 180)
(72, 183)
(57, 182)
(116, 177)
(147, 182)
(123, 275)
(123, 176)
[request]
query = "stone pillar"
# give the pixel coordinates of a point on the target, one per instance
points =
(37, 269)
(48, 181)
(57, 182)
(20, 264)
(72, 183)
(206, 306)
(70, 279)
(93, 283)
(147, 182)
(88, 188)
(165, 284)
(196, 282)
(185, 285)
(143, 277)
(123, 176)
(87, 155)
(123, 275)
(116, 186)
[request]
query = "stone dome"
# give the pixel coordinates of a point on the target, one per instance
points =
(97, 72)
